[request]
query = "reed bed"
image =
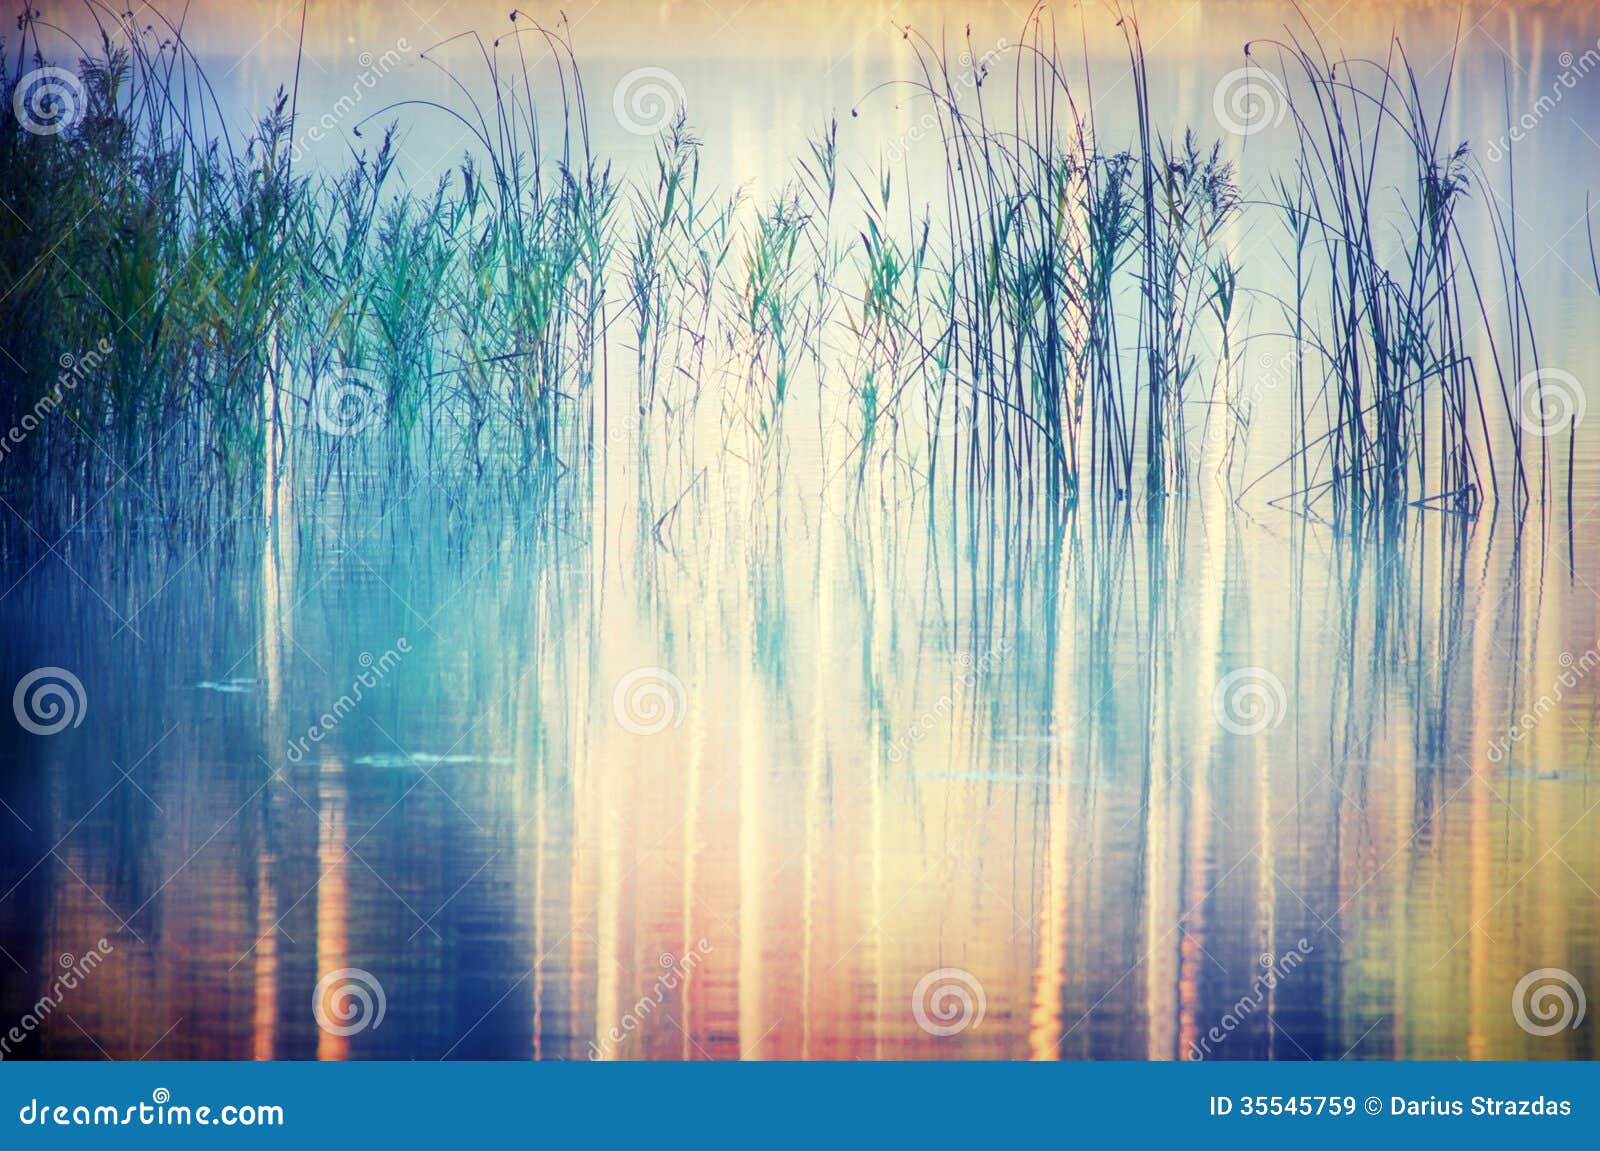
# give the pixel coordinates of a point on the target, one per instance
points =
(188, 318)
(1400, 293)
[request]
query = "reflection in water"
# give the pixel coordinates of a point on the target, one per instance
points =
(1184, 784)
(333, 913)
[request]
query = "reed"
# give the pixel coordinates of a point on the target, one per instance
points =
(770, 325)
(230, 321)
(1401, 382)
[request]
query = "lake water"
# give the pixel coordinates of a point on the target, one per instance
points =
(676, 771)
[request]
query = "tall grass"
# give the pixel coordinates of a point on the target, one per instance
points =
(1054, 324)
(1403, 414)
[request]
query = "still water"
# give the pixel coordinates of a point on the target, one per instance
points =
(401, 772)
(793, 775)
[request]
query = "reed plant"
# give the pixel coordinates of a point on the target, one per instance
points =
(1038, 329)
(1399, 294)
